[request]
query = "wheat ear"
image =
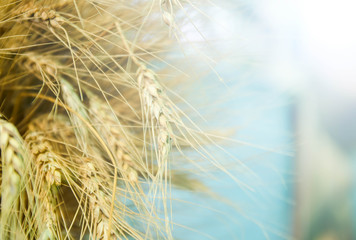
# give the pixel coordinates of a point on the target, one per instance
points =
(153, 99)
(42, 67)
(106, 122)
(156, 111)
(167, 10)
(71, 98)
(47, 70)
(47, 174)
(13, 155)
(99, 202)
(32, 12)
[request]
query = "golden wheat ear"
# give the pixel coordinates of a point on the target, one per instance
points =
(86, 182)
(13, 158)
(47, 179)
(113, 133)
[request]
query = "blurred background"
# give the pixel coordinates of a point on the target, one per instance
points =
(288, 70)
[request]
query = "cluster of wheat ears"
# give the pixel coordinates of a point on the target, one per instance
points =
(87, 129)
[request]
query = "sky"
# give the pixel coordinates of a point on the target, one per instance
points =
(277, 53)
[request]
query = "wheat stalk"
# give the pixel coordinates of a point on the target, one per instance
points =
(13, 156)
